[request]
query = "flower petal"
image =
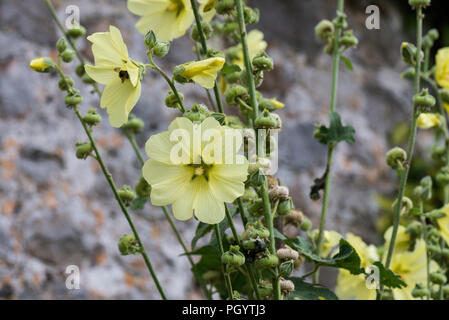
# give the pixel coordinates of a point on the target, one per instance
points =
(103, 75)
(208, 209)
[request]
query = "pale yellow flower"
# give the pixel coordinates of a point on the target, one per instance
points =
(402, 242)
(354, 286)
(442, 70)
(443, 223)
(115, 69)
(429, 120)
(331, 239)
(207, 9)
(203, 72)
(199, 180)
(256, 45)
(169, 19)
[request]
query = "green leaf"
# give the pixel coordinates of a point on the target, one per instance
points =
(138, 203)
(347, 62)
(388, 278)
(202, 230)
(308, 291)
(279, 235)
(336, 132)
(306, 249)
(229, 68)
(210, 259)
(347, 258)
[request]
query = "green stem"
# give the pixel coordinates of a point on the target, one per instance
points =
(226, 276)
(411, 144)
(132, 139)
(423, 221)
(242, 211)
(334, 92)
(269, 223)
(204, 47)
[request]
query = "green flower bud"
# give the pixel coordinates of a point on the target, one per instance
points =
(233, 258)
(126, 194)
(340, 20)
(73, 99)
(220, 117)
(415, 228)
(251, 15)
(258, 78)
(348, 39)
(214, 53)
(444, 93)
(427, 42)
(79, 70)
(207, 31)
(177, 74)
(424, 99)
(128, 245)
(324, 30)
(433, 249)
(230, 27)
(249, 195)
(87, 79)
(396, 158)
(61, 45)
(68, 56)
(171, 100)
(408, 52)
(83, 150)
(263, 62)
(445, 253)
(92, 117)
(439, 154)
(278, 120)
(235, 92)
(76, 32)
(232, 77)
(407, 205)
(443, 176)
(134, 124)
(161, 49)
(143, 189)
(286, 268)
(438, 278)
(408, 74)
(419, 3)
(268, 261)
(306, 224)
(294, 218)
(198, 113)
(433, 34)
(419, 292)
(265, 121)
(150, 40)
(225, 6)
(255, 230)
(66, 83)
(287, 286)
(217, 27)
(284, 207)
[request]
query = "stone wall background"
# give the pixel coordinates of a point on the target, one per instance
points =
(56, 210)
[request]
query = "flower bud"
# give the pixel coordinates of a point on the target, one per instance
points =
(263, 62)
(134, 124)
(161, 49)
(66, 83)
(235, 92)
(73, 99)
(419, 292)
(43, 64)
(265, 121)
(306, 224)
(348, 39)
(438, 278)
(396, 158)
(424, 99)
(79, 70)
(255, 208)
(268, 261)
(198, 113)
(214, 53)
(225, 6)
(255, 230)
(284, 207)
(126, 194)
(433, 249)
(207, 31)
(443, 176)
(287, 286)
(286, 268)
(419, 3)
(294, 218)
(128, 245)
(427, 42)
(177, 74)
(409, 74)
(249, 195)
(408, 52)
(61, 45)
(171, 100)
(415, 228)
(407, 205)
(298, 262)
(258, 78)
(143, 189)
(83, 150)
(251, 15)
(68, 55)
(278, 120)
(287, 253)
(279, 193)
(230, 27)
(92, 117)
(444, 93)
(324, 30)
(76, 32)
(433, 34)
(233, 258)
(150, 40)
(445, 253)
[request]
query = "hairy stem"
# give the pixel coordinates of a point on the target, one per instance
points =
(223, 267)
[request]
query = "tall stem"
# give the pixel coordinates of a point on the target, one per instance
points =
(412, 138)
(204, 47)
(226, 276)
(330, 152)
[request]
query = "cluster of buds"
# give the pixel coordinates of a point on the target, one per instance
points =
(197, 113)
(155, 47)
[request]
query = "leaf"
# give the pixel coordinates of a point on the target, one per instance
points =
(279, 235)
(308, 291)
(210, 259)
(202, 230)
(138, 203)
(388, 278)
(336, 132)
(347, 258)
(306, 249)
(229, 68)
(347, 62)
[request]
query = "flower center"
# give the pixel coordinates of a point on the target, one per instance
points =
(123, 75)
(199, 171)
(176, 6)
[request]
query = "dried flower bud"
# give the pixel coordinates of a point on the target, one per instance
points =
(287, 253)
(279, 193)
(287, 286)
(294, 218)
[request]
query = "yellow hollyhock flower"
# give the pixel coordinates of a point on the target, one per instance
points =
(207, 9)
(256, 45)
(115, 69)
(443, 223)
(429, 120)
(442, 70)
(330, 241)
(169, 19)
(199, 180)
(402, 242)
(203, 72)
(354, 286)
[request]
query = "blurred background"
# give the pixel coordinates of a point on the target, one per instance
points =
(56, 210)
